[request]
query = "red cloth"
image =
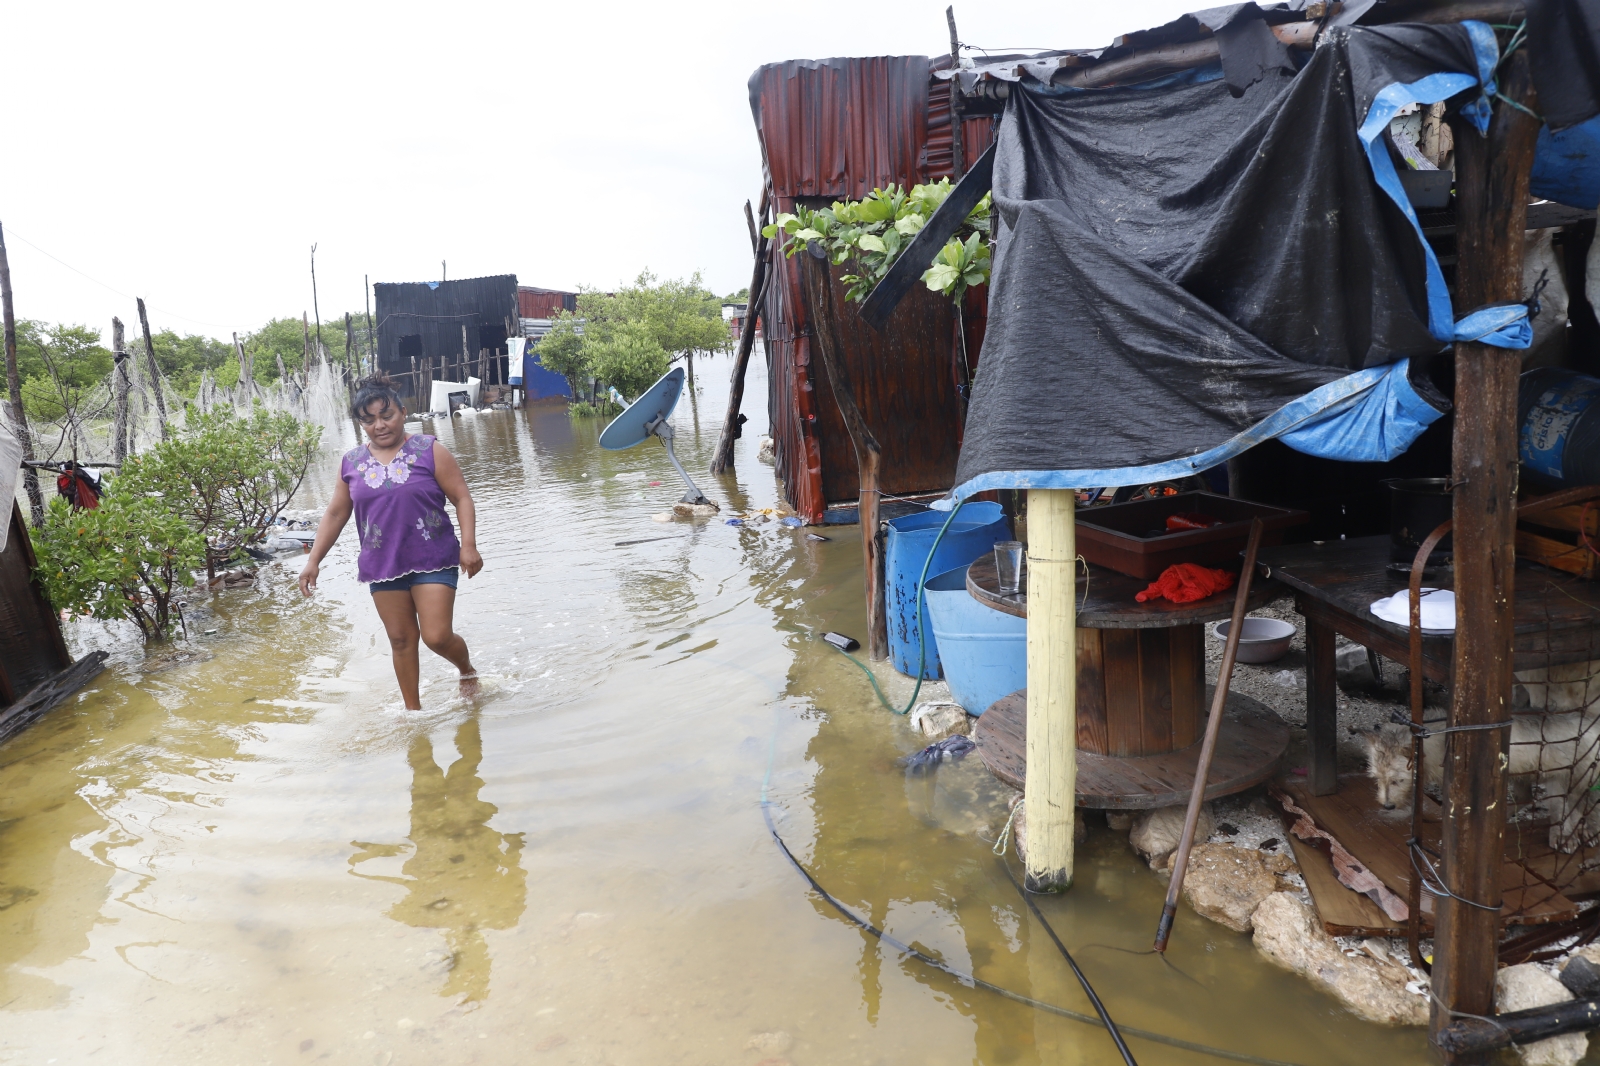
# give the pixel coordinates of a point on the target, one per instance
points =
(1186, 583)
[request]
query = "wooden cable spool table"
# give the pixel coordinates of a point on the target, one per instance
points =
(1142, 697)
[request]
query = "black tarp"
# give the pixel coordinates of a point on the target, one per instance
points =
(1174, 264)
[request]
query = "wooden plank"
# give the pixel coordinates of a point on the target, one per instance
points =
(1188, 683)
(1092, 727)
(38, 702)
(1377, 839)
(1344, 911)
(1322, 708)
(1573, 558)
(1124, 725)
(1155, 692)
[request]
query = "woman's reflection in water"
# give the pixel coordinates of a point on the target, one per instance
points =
(462, 877)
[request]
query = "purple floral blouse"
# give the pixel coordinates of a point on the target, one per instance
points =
(399, 512)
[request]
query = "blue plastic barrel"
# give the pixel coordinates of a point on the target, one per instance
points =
(911, 537)
(984, 652)
(1559, 437)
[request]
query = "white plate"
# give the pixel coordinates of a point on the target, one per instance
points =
(1438, 605)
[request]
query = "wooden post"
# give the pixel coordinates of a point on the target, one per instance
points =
(372, 344)
(958, 152)
(315, 309)
(247, 373)
(155, 373)
(1491, 213)
(19, 416)
(119, 393)
(869, 456)
(1050, 789)
(466, 352)
(723, 456)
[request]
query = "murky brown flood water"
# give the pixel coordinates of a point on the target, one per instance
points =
(255, 855)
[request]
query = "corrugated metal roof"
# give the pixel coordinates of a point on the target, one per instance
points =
(838, 128)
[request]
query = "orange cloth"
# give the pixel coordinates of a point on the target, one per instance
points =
(1186, 583)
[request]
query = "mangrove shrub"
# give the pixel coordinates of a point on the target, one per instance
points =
(125, 559)
(227, 477)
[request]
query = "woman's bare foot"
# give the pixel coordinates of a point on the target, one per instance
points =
(469, 686)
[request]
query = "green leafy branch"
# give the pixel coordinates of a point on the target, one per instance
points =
(870, 234)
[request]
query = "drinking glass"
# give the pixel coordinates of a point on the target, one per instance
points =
(1008, 561)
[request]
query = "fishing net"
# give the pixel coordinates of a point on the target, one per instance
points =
(1550, 872)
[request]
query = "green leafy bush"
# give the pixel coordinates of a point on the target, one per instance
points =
(628, 357)
(227, 477)
(562, 351)
(124, 559)
(870, 234)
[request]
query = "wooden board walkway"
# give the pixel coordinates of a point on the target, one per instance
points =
(1377, 839)
(1250, 747)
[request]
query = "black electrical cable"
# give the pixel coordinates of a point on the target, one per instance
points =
(1088, 989)
(1049, 1008)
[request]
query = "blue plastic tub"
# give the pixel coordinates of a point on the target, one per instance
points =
(911, 537)
(984, 652)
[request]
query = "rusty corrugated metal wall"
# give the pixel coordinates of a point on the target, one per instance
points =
(533, 302)
(834, 129)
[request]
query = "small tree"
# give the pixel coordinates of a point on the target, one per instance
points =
(628, 358)
(227, 477)
(562, 351)
(124, 559)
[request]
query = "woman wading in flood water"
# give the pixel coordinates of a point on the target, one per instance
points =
(396, 485)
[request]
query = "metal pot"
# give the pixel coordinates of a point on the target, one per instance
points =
(1417, 505)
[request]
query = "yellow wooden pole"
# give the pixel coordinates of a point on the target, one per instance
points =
(1050, 787)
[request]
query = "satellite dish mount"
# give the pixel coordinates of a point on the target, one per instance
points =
(647, 417)
(660, 427)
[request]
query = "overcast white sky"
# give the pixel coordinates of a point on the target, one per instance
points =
(191, 153)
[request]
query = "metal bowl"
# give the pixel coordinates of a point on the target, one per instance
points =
(1261, 640)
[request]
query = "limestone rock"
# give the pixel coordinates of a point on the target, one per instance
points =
(766, 451)
(1121, 821)
(1226, 883)
(1155, 833)
(662, 516)
(774, 1043)
(940, 720)
(695, 510)
(1529, 985)
(1288, 932)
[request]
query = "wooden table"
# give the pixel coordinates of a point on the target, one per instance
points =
(1557, 620)
(1142, 696)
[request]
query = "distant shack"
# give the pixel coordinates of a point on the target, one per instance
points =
(442, 329)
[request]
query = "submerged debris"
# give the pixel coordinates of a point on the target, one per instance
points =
(947, 750)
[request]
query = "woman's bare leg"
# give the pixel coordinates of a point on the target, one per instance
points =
(436, 605)
(399, 617)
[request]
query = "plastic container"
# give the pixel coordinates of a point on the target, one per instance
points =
(1261, 640)
(984, 652)
(1132, 538)
(1559, 436)
(975, 529)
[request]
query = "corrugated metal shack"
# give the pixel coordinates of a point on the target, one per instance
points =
(534, 302)
(420, 325)
(836, 129)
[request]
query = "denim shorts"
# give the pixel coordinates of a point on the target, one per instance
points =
(447, 576)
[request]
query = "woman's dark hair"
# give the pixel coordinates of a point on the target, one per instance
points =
(374, 388)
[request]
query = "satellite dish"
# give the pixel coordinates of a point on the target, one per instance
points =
(647, 417)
